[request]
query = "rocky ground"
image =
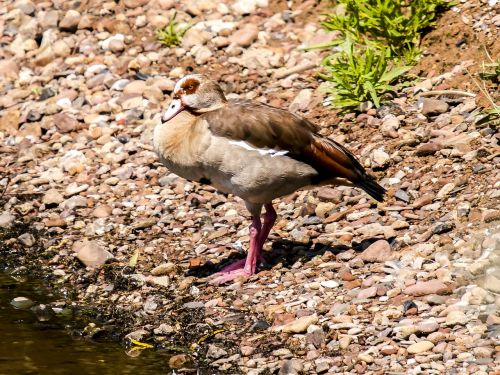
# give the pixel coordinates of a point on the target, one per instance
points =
(350, 286)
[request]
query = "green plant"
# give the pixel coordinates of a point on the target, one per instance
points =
(393, 23)
(361, 74)
(380, 39)
(36, 90)
(171, 35)
(491, 72)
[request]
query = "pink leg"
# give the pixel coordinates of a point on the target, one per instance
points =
(269, 220)
(258, 236)
(249, 266)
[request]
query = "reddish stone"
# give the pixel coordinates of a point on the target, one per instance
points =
(194, 262)
(423, 288)
(352, 284)
(345, 274)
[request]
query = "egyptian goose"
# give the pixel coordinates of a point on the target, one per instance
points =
(252, 150)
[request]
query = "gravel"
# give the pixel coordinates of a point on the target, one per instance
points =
(86, 202)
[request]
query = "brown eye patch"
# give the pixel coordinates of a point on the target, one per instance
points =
(190, 86)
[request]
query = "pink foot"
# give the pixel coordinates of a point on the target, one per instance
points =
(230, 276)
(238, 264)
(245, 268)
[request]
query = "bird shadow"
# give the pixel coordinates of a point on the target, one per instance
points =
(284, 252)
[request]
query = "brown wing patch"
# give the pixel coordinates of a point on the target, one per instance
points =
(260, 125)
(324, 155)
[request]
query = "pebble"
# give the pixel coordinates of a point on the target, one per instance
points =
(365, 357)
(245, 36)
(428, 326)
(21, 303)
(6, 219)
(65, 123)
(27, 239)
(423, 288)
(380, 158)
(83, 91)
(299, 325)
(70, 21)
(430, 106)
(177, 361)
(163, 269)
(390, 125)
(456, 318)
(203, 55)
(323, 208)
(492, 283)
(427, 149)
(379, 251)
(291, 367)
(329, 284)
(51, 197)
(91, 254)
(243, 7)
(367, 293)
(420, 347)
(102, 211)
(301, 101)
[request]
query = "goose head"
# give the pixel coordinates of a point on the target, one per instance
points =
(196, 94)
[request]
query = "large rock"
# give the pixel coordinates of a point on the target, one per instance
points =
(52, 197)
(379, 251)
(420, 347)
(299, 325)
(423, 288)
(91, 253)
(433, 106)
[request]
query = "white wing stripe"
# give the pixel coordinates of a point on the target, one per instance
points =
(262, 151)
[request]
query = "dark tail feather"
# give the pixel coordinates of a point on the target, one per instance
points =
(372, 188)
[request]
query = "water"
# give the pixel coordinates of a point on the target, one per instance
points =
(29, 346)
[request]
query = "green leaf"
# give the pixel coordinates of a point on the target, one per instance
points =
(134, 258)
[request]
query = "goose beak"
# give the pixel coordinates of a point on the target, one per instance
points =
(173, 109)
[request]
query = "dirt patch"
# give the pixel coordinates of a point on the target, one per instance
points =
(468, 35)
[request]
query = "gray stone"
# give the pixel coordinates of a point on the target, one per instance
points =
(26, 239)
(431, 106)
(91, 254)
(291, 367)
(22, 303)
(52, 197)
(6, 219)
(380, 158)
(76, 201)
(215, 352)
(26, 6)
